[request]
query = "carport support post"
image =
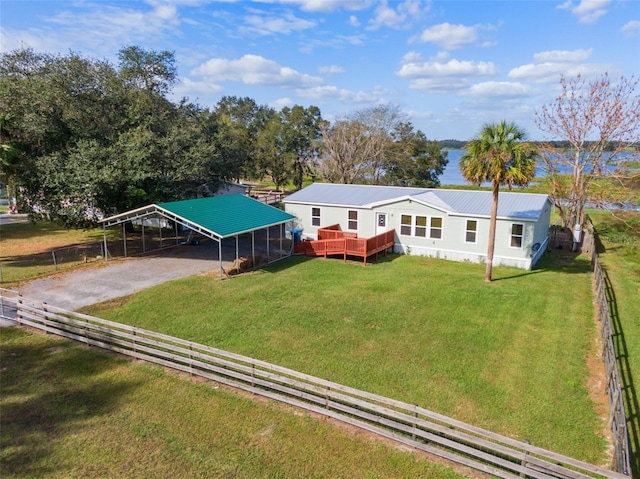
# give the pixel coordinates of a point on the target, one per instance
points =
(104, 236)
(160, 230)
(237, 262)
(144, 248)
(253, 249)
(124, 238)
(175, 224)
(220, 255)
(268, 245)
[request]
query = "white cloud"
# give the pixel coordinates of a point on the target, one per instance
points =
(587, 11)
(442, 75)
(269, 25)
(498, 90)
(330, 69)
(329, 92)
(99, 29)
(325, 5)
(539, 72)
(449, 36)
(337, 41)
(564, 56)
(353, 21)
(253, 70)
(631, 29)
(399, 17)
(280, 103)
(188, 87)
(439, 85)
(550, 65)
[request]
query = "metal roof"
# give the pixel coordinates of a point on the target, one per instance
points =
(457, 202)
(221, 216)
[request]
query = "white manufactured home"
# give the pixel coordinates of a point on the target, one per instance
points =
(448, 224)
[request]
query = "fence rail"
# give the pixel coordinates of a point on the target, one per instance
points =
(404, 423)
(617, 417)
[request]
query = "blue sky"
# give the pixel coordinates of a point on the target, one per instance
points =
(451, 66)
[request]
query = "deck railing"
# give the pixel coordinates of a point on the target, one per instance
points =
(344, 243)
(334, 232)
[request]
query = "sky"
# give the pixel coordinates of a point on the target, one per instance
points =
(450, 66)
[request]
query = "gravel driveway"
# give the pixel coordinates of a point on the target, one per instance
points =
(76, 289)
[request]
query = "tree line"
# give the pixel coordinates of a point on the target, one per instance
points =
(81, 138)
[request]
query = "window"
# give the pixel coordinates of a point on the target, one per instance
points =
(421, 226)
(436, 228)
(315, 216)
(472, 229)
(353, 220)
(516, 235)
(405, 225)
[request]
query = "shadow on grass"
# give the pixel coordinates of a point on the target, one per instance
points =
(561, 261)
(49, 390)
(294, 260)
(632, 405)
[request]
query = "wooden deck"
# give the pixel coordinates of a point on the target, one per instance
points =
(333, 242)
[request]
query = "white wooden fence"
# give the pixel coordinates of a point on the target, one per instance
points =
(404, 423)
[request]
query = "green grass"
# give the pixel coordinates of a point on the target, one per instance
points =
(507, 356)
(70, 411)
(620, 256)
(25, 249)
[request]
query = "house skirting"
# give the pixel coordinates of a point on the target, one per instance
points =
(452, 255)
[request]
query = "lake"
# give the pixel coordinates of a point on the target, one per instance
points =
(452, 175)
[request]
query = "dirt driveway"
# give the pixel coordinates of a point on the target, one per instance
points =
(122, 277)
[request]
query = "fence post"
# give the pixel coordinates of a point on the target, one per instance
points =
(415, 418)
(18, 303)
(326, 397)
(55, 265)
(524, 459)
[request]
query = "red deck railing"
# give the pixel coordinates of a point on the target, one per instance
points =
(347, 245)
(334, 232)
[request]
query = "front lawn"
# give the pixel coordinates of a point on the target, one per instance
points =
(69, 411)
(509, 356)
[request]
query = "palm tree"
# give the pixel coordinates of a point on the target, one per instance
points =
(498, 154)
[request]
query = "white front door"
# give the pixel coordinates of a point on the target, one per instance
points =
(381, 223)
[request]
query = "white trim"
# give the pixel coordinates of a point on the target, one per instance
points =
(349, 220)
(319, 216)
(521, 236)
(427, 228)
(467, 230)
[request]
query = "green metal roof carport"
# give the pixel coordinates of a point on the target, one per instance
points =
(216, 217)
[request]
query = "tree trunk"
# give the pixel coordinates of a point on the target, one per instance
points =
(492, 232)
